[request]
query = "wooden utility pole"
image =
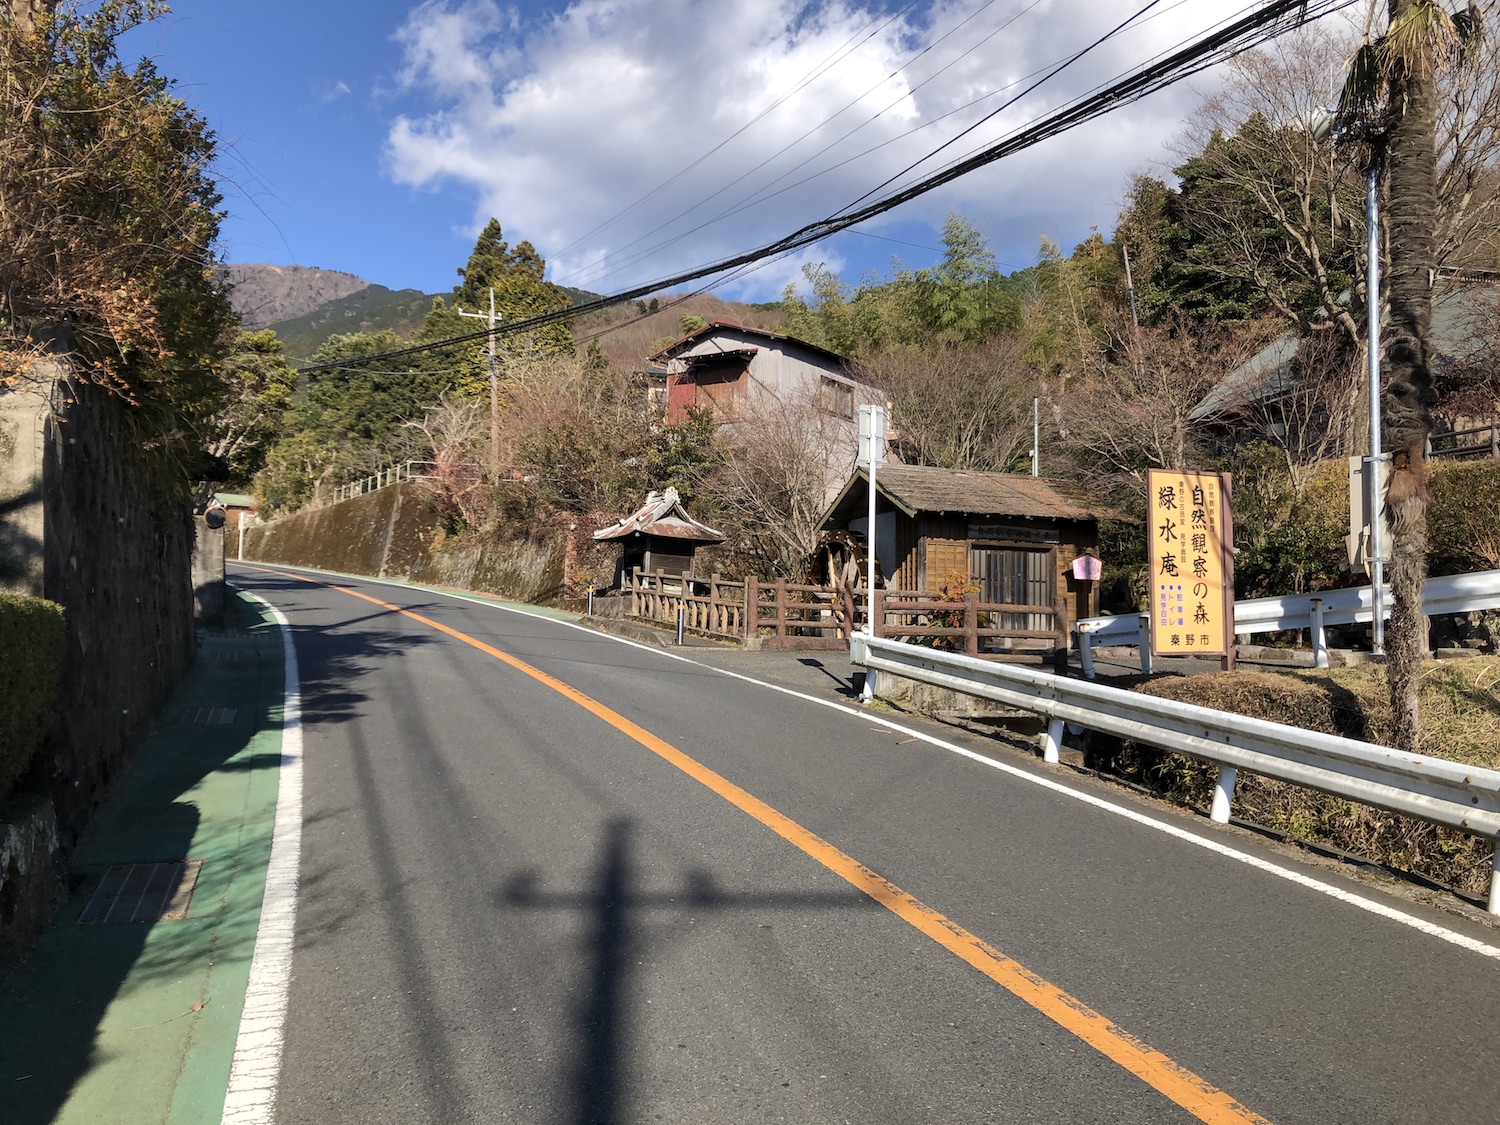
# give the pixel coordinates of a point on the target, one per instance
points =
(494, 388)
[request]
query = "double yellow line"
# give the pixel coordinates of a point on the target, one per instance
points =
(1199, 1097)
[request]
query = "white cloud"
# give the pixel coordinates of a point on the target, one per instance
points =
(558, 124)
(331, 89)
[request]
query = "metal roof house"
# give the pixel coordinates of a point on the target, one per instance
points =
(659, 535)
(1016, 535)
(751, 375)
(1463, 320)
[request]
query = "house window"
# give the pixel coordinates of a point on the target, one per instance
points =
(836, 398)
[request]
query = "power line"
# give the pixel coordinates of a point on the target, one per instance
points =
(1058, 69)
(758, 197)
(828, 63)
(750, 200)
(1243, 34)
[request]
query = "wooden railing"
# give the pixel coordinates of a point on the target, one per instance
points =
(710, 606)
(788, 615)
(1481, 441)
(782, 614)
(969, 626)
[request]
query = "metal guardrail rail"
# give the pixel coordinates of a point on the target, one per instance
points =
(394, 475)
(1459, 593)
(1457, 796)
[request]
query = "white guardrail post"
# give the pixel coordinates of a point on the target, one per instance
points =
(1458, 796)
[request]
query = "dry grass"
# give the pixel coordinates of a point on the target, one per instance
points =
(1460, 722)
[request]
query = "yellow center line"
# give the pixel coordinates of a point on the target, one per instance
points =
(1200, 1098)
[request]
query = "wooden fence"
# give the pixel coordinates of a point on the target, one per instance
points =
(710, 606)
(787, 615)
(971, 626)
(1482, 441)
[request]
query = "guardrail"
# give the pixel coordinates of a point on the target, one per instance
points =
(1459, 593)
(1457, 796)
(394, 475)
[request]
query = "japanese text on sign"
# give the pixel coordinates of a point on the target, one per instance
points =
(1190, 606)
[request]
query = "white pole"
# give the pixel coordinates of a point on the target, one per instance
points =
(869, 689)
(1373, 474)
(872, 453)
(1036, 437)
(1223, 795)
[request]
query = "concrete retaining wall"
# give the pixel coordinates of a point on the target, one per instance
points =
(91, 521)
(32, 889)
(391, 533)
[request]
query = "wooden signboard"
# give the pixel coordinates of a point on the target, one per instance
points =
(1192, 568)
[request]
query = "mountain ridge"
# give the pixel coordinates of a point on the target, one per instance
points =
(264, 294)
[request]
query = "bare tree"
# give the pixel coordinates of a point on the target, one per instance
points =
(454, 437)
(959, 406)
(1301, 226)
(1132, 406)
(785, 458)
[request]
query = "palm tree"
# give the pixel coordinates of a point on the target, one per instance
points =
(1390, 97)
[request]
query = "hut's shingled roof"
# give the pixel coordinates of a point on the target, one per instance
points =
(916, 488)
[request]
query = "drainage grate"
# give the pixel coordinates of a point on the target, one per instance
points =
(208, 716)
(142, 892)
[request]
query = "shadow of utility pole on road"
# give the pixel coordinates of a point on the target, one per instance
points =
(612, 940)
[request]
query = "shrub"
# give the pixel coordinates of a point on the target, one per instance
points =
(1463, 517)
(1460, 721)
(31, 649)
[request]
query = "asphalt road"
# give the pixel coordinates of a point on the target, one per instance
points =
(514, 910)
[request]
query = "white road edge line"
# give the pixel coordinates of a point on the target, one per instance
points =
(253, 1075)
(1381, 909)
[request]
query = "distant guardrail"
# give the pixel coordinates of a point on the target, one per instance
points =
(1459, 593)
(1457, 796)
(394, 475)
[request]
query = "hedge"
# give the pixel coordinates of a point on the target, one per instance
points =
(1460, 709)
(31, 654)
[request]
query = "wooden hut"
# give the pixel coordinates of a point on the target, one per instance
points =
(1016, 536)
(658, 536)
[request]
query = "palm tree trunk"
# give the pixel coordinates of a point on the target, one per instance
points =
(1411, 186)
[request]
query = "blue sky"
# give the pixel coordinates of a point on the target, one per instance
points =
(377, 136)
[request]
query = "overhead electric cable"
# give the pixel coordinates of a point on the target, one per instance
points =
(1265, 23)
(752, 201)
(591, 278)
(756, 198)
(828, 63)
(1062, 66)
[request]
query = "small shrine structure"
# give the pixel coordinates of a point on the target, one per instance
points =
(658, 536)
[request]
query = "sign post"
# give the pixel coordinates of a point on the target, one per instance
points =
(871, 458)
(1192, 564)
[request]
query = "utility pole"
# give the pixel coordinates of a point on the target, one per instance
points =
(1130, 287)
(494, 388)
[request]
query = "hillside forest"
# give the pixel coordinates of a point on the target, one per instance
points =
(1126, 341)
